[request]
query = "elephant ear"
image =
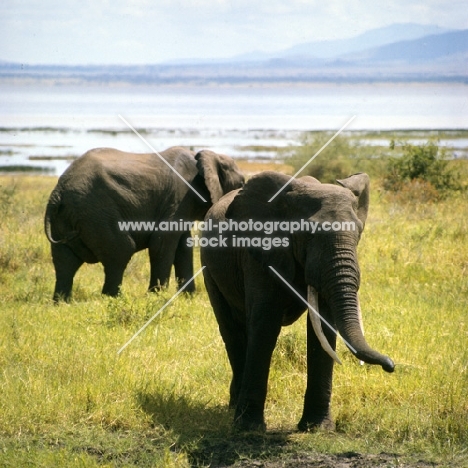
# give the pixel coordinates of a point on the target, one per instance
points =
(220, 173)
(252, 203)
(359, 184)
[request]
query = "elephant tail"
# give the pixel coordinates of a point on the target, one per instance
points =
(51, 213)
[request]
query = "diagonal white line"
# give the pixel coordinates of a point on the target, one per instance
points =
(310, 307)
(160, 157)
(161, 309)
(312, 158)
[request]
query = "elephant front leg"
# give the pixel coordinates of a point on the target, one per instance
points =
(235, 341)
(262, 338)
(319, 382)
(233, 333)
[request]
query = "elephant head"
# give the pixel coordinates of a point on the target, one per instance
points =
(323, 262)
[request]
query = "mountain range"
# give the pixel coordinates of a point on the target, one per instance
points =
(400, 52)
(336, 48)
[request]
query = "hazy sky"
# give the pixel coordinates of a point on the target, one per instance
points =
(151, 31)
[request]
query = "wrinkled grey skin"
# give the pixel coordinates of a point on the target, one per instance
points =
(106, 186)
(251, 303)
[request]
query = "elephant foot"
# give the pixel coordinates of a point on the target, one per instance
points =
(326, 424)
(111, 289)
(244, 425)
(233, 398)
(110, 293)
(248, 421)
(61, 297)
(188, 288)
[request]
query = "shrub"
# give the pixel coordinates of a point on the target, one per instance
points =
(421, 166)
(415, 190)
(335, 161)
(7, 194)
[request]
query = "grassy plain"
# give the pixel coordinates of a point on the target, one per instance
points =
(68, 399)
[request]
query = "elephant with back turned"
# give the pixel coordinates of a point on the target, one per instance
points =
(251, 302)
(106, 186)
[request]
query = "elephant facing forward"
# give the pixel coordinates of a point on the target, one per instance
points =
(106, 186)
(249, 284)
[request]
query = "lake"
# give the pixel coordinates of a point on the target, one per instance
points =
(46, 126)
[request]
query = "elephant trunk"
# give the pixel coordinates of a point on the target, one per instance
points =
(340, 278)
(349, 326)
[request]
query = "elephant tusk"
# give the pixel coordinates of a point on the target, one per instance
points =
(312, 299)
(361, 323)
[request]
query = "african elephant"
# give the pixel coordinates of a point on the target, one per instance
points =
(249, 284)
(107, 186)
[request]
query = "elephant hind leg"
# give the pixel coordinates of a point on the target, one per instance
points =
(183, 264)
(162, 252)
(66, 264)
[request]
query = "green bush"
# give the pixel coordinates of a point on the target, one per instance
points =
(7, 194)
(425, 163)
(335, 161)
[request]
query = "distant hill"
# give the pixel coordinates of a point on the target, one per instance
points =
(333, 49)
(432, 47)
(402, 52)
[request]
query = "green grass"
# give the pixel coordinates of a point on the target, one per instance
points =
(68, 399)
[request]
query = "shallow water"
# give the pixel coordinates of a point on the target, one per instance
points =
(42, 126)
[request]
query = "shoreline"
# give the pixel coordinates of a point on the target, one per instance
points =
(57, 82)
